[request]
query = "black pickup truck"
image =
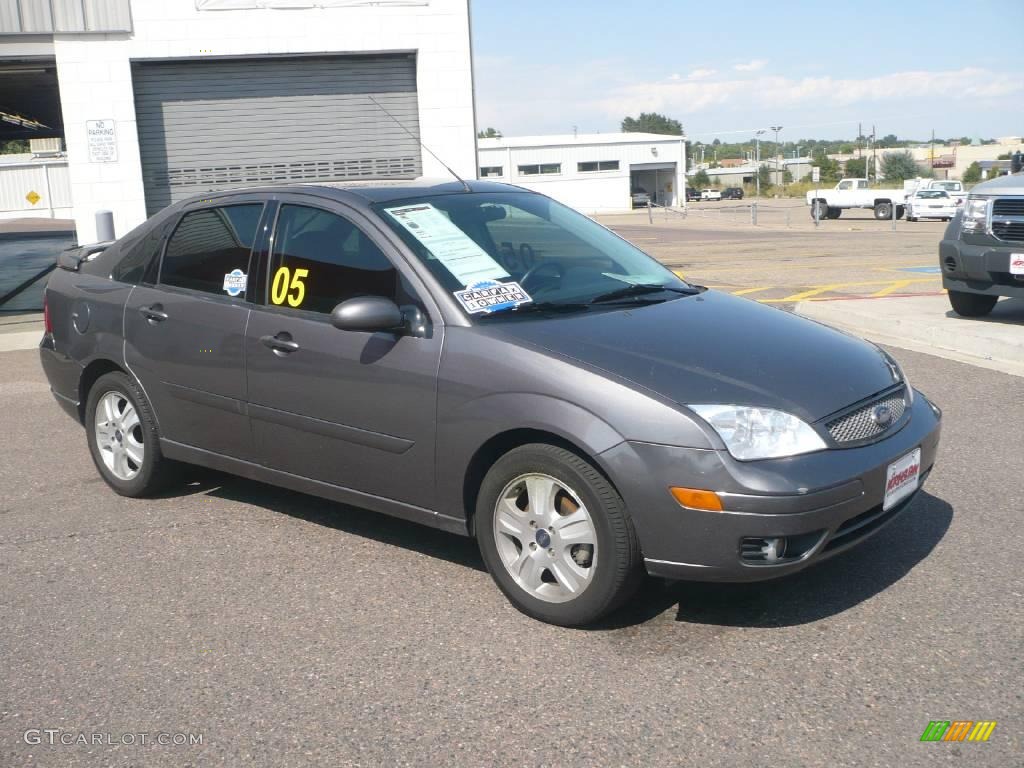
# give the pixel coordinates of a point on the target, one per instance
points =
(982, 252)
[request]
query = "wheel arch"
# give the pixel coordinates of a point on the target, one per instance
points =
(500, 444)
(90, 375)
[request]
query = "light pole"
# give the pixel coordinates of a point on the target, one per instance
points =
(757, 160)
(778, 154)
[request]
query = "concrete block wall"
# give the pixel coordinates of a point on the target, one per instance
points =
(96, 83)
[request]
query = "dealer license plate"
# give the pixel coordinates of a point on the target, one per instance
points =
(902, 478)
(1017, 263)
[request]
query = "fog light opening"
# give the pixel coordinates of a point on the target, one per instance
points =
(768, 549)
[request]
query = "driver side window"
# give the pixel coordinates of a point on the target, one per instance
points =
(321, 259)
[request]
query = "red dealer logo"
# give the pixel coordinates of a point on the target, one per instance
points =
(901, 477)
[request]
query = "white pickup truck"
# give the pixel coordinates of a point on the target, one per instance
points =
(955, 189)
(855, 193)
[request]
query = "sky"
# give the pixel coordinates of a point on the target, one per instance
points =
(727, 69)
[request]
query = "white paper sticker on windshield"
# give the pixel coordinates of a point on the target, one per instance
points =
(492, 296)
(235, 282)
(461, 256)
(637, 279)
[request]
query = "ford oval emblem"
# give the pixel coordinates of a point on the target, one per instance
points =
(882, 416)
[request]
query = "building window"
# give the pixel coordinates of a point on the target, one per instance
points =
(489, 171)
(603, 165)
(537, 170)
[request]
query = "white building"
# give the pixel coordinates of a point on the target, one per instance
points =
(159, 99)
(593, 173)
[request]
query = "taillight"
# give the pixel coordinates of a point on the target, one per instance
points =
(47, 322)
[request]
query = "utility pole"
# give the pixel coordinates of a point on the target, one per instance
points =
(778, 155)
(757, 160)
(874, 150)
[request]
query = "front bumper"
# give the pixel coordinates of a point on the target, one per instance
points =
(979, 268)
(826, 501)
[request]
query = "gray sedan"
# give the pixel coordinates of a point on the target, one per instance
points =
(484, 360)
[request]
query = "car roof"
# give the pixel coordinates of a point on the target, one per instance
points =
(370, 190)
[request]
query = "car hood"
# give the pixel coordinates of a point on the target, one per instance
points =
(717, 348)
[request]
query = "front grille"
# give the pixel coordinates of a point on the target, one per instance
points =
(858, 426)
(1008, 206)
(1008, 230)
(1008, 218)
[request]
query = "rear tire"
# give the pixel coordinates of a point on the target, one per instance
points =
(123, 438)
(900, 210)
(972, 304)
(883, 211)
(556, 537)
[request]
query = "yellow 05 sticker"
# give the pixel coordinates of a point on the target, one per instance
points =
(289, 286)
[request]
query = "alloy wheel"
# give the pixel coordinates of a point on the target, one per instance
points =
(119, 435)
(545, 538)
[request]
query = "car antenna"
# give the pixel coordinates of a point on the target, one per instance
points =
(458, 178)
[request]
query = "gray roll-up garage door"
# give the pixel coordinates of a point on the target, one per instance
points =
(220, 124)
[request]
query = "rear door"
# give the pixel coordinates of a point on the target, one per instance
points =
(185, 329)
(349, 408)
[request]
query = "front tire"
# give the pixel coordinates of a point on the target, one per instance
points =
(556, 537)
(122, 437)
(972, 304)
(834, 213)
(819, 210)
(883, 211)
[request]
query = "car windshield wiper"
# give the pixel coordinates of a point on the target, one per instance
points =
(542, 306)
(639, 289)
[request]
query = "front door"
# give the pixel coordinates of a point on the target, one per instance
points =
(348, 408)
(185, 333)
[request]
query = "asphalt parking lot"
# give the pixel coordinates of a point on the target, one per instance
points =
(287, 630)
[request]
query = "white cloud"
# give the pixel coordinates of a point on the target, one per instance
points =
(701, 74)
(685, 97)
(754, 65)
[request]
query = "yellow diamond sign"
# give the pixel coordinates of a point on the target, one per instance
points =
(33, 197)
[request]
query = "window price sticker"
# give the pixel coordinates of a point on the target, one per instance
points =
(489, 296)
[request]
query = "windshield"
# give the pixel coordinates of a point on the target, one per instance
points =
(932, 194)
(500, 253)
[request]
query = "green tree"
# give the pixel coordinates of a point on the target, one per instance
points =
(829, 168)
(899, 166)
(14, 147)
(972, 174)
(700, 179)
(490, 133)
(1004, 156)
(765, 176)
(652, 122)
(889, 140)
(856, 167)
(846, 149)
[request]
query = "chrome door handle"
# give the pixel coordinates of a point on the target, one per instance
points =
(281, 344)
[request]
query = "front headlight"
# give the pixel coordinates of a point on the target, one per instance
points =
(760, 433)
(975, 216)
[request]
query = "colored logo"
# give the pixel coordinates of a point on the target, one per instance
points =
(882, 416)
(958, 730)
(235, 282)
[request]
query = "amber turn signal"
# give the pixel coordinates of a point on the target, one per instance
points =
(697, 499)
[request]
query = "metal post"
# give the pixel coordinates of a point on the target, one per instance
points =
(104, 226)
(787, 218)
(894, 216)
(817, 208)
(49, 196)
(650, 216)
(753, 213)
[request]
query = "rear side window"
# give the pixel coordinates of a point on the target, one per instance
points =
(321, 259)
(210, 245)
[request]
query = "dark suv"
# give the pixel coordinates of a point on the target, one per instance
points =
(982, 252)
(732, 193)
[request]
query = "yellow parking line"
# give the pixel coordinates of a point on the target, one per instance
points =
(892, 287)
(745, 291)
(813, 292)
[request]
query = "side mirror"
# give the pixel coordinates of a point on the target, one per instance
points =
(368, 313)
